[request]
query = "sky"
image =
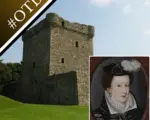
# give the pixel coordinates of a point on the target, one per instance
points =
(122, 27)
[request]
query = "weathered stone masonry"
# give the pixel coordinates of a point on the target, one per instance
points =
(55, 62)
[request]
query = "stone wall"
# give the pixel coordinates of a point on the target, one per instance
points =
(36, 51)
(36, 56)
(71, 46)
(57, 46)
(64, 89)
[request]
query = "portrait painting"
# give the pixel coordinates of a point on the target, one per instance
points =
(119, 88)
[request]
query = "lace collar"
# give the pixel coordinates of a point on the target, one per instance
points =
(116, 107)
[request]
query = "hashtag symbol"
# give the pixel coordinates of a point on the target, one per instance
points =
(12, 23)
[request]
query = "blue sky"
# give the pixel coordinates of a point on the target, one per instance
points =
(122, 27)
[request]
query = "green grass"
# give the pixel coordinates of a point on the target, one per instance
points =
(12, 110)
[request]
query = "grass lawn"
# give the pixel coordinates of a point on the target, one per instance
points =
(12, 110)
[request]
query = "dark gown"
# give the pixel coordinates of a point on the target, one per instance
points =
(102, 113)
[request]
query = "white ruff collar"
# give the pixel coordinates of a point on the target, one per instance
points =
(116, 107)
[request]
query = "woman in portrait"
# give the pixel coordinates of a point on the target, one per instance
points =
(118, 101)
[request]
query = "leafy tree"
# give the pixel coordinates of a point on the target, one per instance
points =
(9, 73)
(16, 71)
(1, 60)
(5, 75)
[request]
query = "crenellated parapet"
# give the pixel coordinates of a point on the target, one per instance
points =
(52, 19)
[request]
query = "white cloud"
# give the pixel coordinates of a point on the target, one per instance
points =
(147, 32)
(127, 9)
(147, 2)
(101, 2)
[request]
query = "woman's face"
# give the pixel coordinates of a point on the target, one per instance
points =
(120, 88)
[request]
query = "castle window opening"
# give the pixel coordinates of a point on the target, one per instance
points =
(62, 60)
(77, 44)
(63, 23)
(35, 81)
(33, 64)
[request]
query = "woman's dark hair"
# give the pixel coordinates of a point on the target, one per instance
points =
(107, 79)
(114, 69)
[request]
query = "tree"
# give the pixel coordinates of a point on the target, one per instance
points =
(5, 75)
(16, 71)
(1, 60)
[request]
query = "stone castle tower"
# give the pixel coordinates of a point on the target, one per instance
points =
(55, 62)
